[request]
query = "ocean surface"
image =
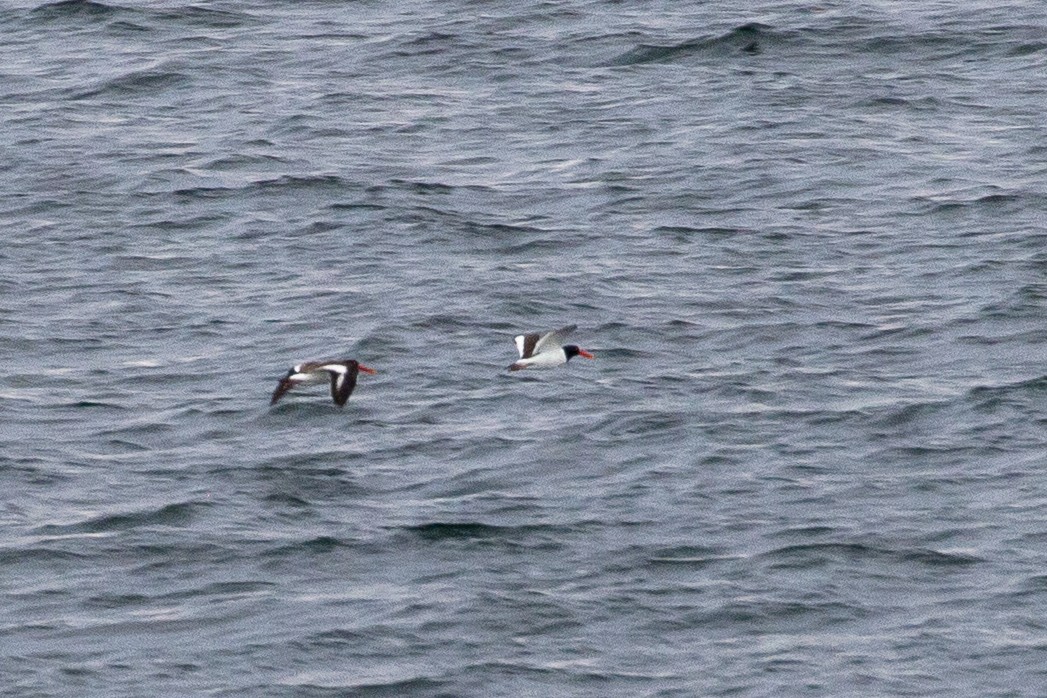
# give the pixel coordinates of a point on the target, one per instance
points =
(806, 241)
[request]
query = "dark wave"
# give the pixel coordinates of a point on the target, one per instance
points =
(848, 37)
(645, 424)
(171, 515)
(297, 182)
(26, 554)
(686, 233)
(269, 186)
(202, 16)
(766, 615)
(747, 39)
(137, 84)
(817, 554)
(321, 545)
(900, 416)
(1029, 301)
(335, 638)
(1018, 41)
(211, 591)
(475, 531)
(89, 9)
(138, 19)
(688, 556)
(422, 188)
(889, 103)
(470, 530)
(96, 404)
(1020, 393)
(419, 685)
(994, 203)
(1027, 49)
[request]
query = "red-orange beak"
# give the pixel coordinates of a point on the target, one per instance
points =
(583, 352)
(366, 369)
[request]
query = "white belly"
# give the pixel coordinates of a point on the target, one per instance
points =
(545, 360)
(313, 377)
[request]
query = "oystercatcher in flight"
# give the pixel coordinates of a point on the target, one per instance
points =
(342, 375)
(544, 350)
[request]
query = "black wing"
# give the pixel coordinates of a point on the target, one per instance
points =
(525, 344)
(282, 387)
(343, 384)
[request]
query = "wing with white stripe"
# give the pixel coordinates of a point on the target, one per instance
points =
(525, 344)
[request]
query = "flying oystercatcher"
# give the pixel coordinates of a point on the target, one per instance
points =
(342, 375)
(545, 350)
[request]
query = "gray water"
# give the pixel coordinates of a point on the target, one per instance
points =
(806, 242)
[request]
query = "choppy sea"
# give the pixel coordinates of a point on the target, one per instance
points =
(806, 241)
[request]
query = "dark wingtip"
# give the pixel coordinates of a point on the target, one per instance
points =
(281, 389)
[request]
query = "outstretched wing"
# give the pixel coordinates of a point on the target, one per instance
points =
(282, 387)
(525, 344)
(342, 385)
(535, 343)
(553, 340)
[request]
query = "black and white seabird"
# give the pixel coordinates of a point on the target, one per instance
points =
(341, 374)
(545, 350)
